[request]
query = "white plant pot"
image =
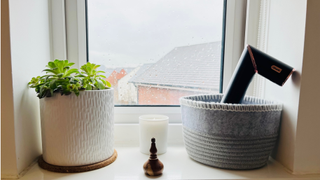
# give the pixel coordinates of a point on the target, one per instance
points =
(77, 130)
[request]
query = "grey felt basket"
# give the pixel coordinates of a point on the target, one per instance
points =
(230, 136)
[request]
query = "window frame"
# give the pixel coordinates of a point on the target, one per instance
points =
(68, 19)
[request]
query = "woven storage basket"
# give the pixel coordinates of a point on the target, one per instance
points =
(230, 136)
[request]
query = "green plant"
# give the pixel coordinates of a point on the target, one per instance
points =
(91, 79)
(60, 78)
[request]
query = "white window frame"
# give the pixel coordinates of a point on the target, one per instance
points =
(68, 24)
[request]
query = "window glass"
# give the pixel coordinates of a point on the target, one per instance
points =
(154, 52)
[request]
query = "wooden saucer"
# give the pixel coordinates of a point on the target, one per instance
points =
(75, 169)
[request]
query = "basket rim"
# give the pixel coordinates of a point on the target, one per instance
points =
(257, 104)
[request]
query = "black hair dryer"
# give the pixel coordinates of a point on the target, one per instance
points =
(254, 61)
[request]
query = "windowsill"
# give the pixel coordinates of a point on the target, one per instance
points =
(177, 165)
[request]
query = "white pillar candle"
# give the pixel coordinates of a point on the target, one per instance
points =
(153, 126)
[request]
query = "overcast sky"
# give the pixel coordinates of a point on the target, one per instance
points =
(126, 33)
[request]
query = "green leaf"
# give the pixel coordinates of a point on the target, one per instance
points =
(51, 65)
(50, 70)
(60, 75)
(70, 64)
(108, 83)
(96, 66)
(81, 75)
(104, 81)
(77, 93)
(102, 76)
(89, 88)
(46, 76)
(52, 83)
(100, 84)
(71, 71)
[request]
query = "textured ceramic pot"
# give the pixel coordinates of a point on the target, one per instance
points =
(231, 136)
(77, 130)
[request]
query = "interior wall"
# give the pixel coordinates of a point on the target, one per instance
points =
(8, 148)
(286, 43)
(307, 155)
(30, 42)
(30, 52)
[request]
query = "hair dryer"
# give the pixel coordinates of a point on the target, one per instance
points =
(254, 61)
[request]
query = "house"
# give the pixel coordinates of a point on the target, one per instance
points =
(185, 70)
(107, 70)
(127, 91)
(113, 76)
(116, 76)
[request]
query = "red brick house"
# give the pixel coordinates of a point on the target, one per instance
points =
(113, 76)
(116, 76)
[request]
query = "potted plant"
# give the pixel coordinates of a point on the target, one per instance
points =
(76, 109)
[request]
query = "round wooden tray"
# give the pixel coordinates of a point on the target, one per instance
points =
(75, 169)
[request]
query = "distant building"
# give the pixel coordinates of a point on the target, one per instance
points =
(113, 76)
(127, 92)
(183, 71)
(109, 70)
(116, 76)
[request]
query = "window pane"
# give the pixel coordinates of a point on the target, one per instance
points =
(154, 52)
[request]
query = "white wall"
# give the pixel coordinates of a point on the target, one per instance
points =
(30, 52)
(298, 147)
(285, 42)
(307, 154)
(8, 148)
(289, 41)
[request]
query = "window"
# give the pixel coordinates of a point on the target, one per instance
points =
(154, 52)
(195, 31)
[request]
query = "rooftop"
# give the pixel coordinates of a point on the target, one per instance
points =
(141, 70)
(194, 66)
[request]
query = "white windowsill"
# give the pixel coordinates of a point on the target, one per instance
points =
(177, 164)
